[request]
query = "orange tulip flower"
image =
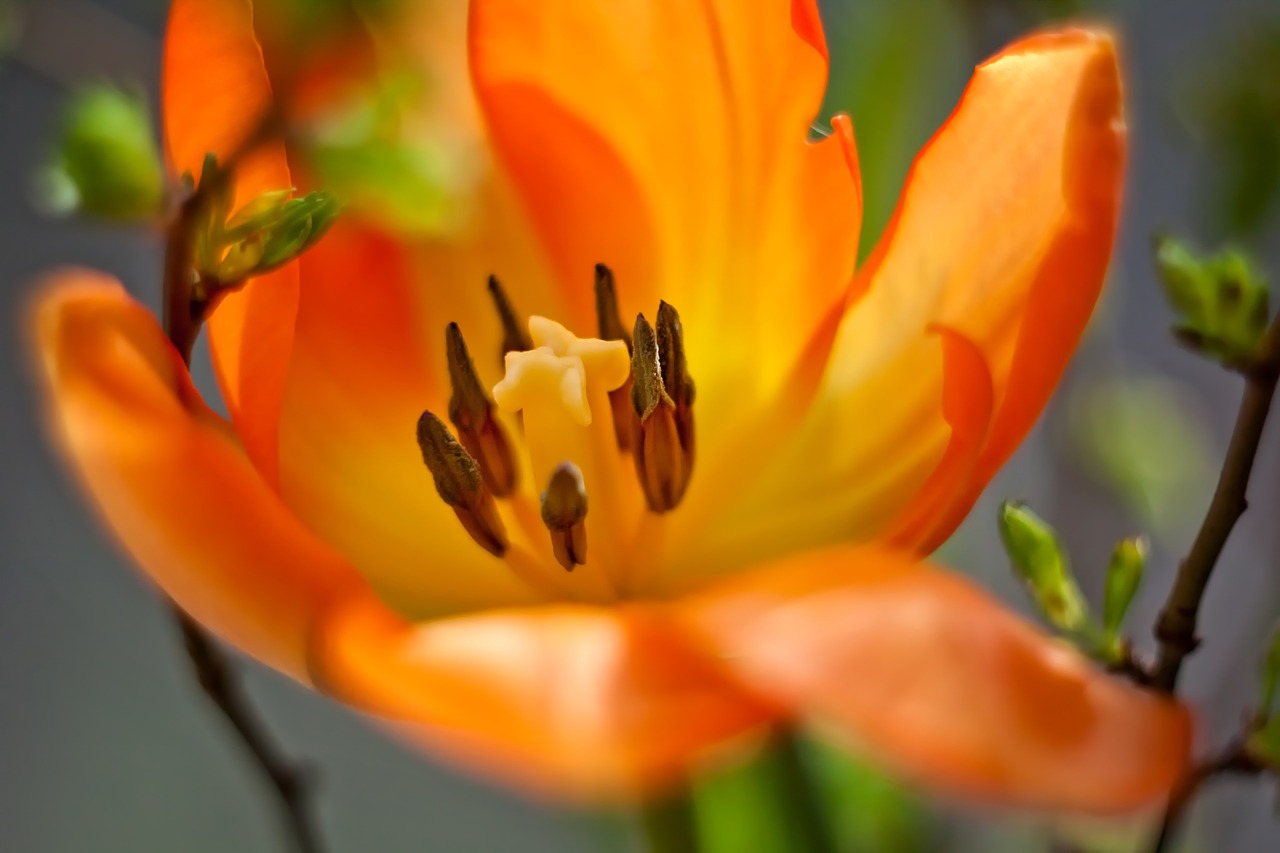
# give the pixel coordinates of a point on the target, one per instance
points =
(565, 599)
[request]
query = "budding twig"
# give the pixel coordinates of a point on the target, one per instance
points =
(1176, 626)
(183, 315)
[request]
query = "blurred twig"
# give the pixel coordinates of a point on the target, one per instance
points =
(1234, 760)
(183, 316)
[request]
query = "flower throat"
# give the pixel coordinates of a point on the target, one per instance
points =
(584, 405)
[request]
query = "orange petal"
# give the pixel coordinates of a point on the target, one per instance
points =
(1005, 227)
(169, 479)
(921, 668)
(359, 377)
(215, 91)
(668, 139)
(1002, 234)
(967, 404)
(572, 701)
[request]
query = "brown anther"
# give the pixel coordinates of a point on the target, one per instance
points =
(515, 338)
(611, 329)
(662, 464)
(608, 319)
(564, 508)
(460, 484)
(675, 376)
(471, 412)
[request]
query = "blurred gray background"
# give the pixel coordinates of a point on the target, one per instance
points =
(107, 745)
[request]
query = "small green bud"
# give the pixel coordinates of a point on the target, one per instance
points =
(108, 163)
(301, 223)
(1270, 676)
(258, 214)
(1038, 558)
(1222, 301)
(1124, 576)
(241, 261)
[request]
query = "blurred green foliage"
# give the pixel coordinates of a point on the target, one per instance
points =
(1232, 102)
(1143, 438)
(897, 67)
(363, 154)
(107, 163)
(742, 810)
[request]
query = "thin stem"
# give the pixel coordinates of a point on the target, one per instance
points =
(1233, 760)
(669, 824)
(183, 315)
(801, 796)
(1176, 626)
(289, 781)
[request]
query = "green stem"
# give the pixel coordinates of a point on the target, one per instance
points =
(669, 824)
(800, 796)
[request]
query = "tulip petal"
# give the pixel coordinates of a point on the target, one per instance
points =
(668, 139)
(967, 404)
(1002, 234)
(215, 92)
(169, 479)
(920, 668)
(571, 701)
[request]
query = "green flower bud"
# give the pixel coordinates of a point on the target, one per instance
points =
(1038, 558)
(108, 163)
(1124, 576)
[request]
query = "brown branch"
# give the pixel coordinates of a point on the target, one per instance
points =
(184, 312)
(290, 781)
(1176, 626)
(1234, 760)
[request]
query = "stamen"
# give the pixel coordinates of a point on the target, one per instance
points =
(461, 485)
(611, 329)
(608, 317)
(471, 412)
(564, 506)
(662, 464)
(514, 338)
(675, 377)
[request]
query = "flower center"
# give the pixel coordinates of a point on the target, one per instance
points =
(584, 405)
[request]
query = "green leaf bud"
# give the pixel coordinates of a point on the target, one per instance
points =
(1222, 301)
(1039, 560)
(1124, 576)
